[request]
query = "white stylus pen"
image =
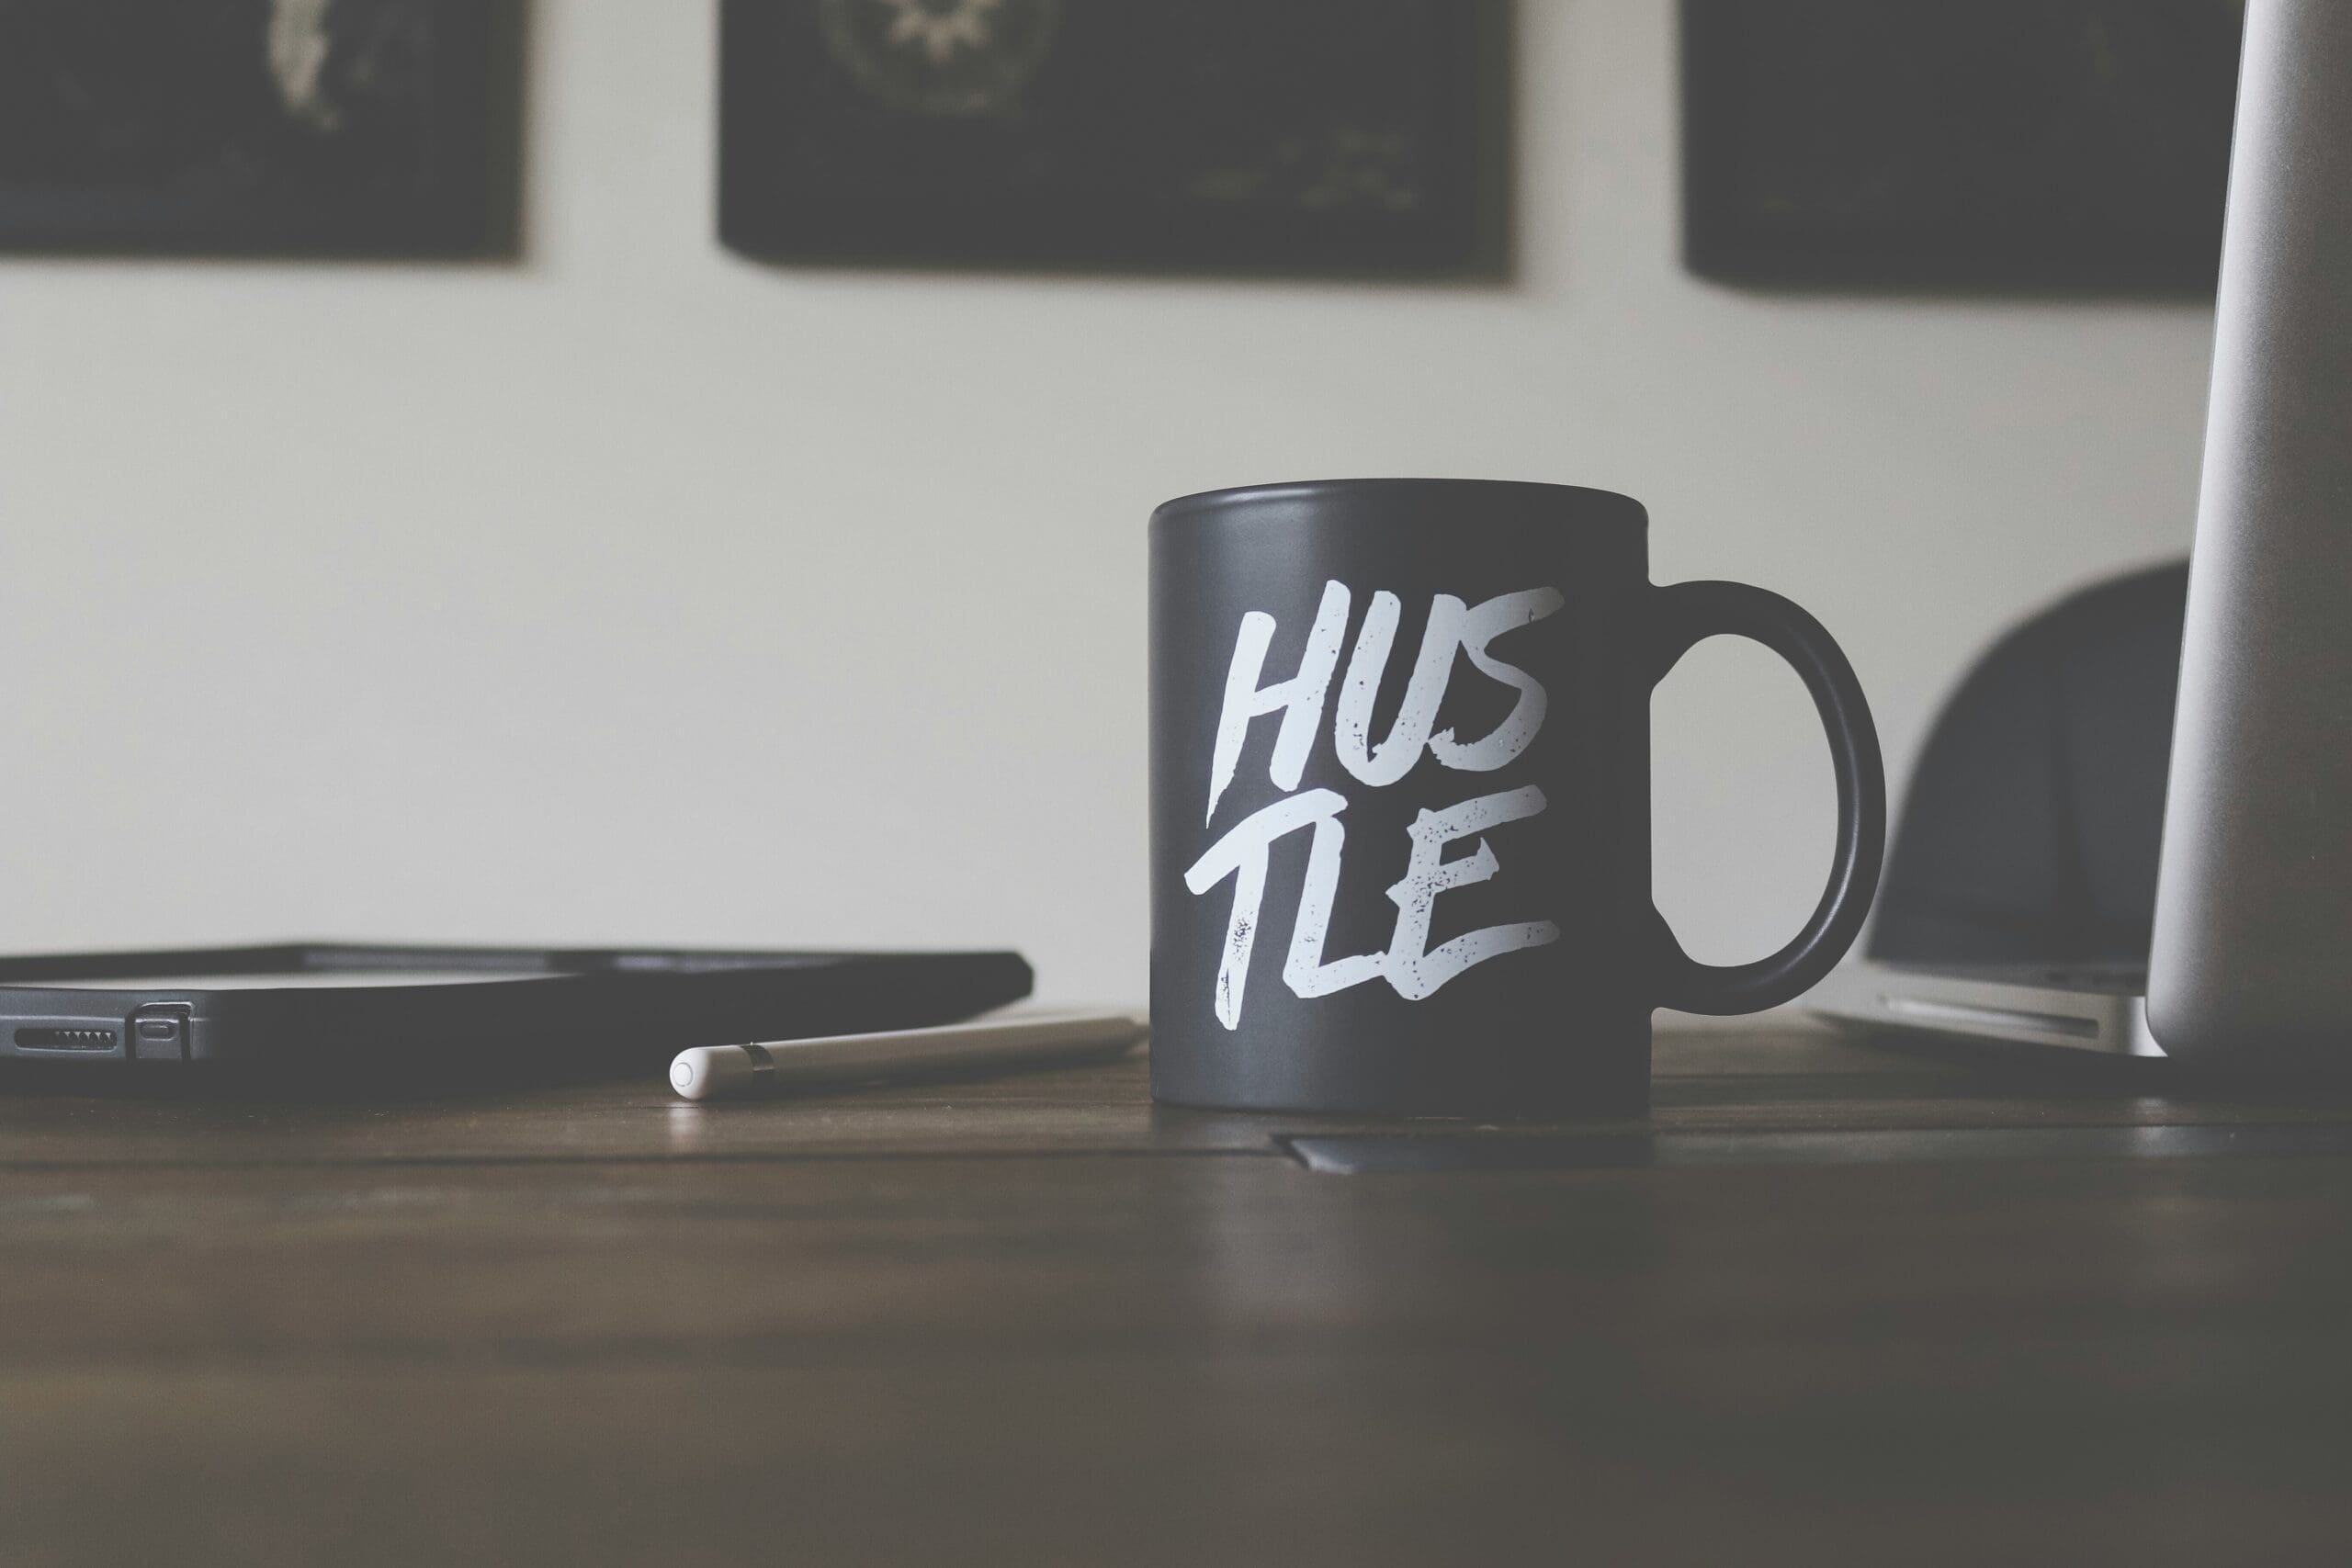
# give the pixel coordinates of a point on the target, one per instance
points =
(718, 1072)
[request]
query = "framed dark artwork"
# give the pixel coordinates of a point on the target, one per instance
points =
(2059, 144)
(259, 127)
(1254, 136)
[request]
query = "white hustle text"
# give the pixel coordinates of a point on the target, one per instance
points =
(1409, 965)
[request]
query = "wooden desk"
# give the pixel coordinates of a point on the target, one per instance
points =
(1843, 1306)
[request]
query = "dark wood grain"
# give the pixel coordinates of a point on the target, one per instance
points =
(1717, 1080)
(1033, 1321)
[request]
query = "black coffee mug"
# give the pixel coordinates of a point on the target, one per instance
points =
(1400, 800)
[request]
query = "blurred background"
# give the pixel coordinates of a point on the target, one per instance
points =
(575, 578)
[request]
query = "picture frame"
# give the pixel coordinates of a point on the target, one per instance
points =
(2073, 145)
(1361, 138)
(250, 128)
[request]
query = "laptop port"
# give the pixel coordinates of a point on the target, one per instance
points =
(49, 1037)
(158, 1032)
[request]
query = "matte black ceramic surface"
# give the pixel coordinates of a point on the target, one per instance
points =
(1400, 799)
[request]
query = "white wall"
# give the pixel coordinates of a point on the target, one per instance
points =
(638, 593)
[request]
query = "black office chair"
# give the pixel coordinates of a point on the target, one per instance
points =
(2031, 830)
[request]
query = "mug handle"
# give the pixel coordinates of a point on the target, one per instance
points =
(1689, 613)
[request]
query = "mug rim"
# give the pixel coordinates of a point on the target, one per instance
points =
(1307, 490)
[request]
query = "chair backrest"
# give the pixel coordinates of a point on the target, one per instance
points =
(2030, 831)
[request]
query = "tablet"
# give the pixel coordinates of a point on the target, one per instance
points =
(334, 1015)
